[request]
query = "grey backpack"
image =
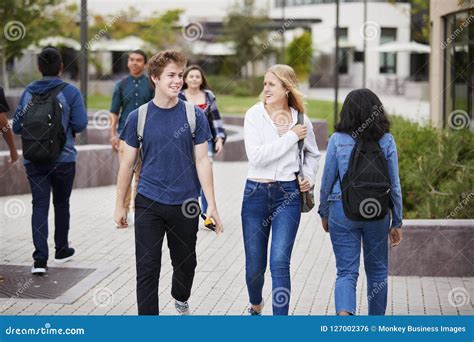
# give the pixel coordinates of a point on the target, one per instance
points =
(142, 113)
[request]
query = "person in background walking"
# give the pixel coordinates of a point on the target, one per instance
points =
(129, 93)
(196, 90)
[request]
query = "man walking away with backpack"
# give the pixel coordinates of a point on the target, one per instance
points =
(361, 200)
(171, 136)
(48, 116)
(129, 93)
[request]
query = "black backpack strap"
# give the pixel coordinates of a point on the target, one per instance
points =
(55, 92)
(300, 121)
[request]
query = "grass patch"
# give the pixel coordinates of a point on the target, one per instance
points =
(229, 104)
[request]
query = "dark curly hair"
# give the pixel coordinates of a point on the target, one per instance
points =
(204, 84)
(363, 116)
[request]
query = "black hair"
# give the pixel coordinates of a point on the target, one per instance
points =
(363, 116)
(49, 61)
(139, 52)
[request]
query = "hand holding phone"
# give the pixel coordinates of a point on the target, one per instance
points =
(208, 222)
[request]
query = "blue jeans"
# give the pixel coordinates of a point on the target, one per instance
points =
(347, 237)
(210, 153)
(270, 206)
(44, 178)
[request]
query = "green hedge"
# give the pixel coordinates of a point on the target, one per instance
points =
(436, 171)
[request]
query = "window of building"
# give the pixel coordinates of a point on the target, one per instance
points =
(459, 67)
(343, 52)
(279, 3)
(388, 60)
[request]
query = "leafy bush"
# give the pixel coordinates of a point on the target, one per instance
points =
(21, 80)
(436, 170)
(299, 53)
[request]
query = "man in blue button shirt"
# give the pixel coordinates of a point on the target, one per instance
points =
(129, 94)
(175, 165)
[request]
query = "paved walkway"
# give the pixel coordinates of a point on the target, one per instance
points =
(219, 286)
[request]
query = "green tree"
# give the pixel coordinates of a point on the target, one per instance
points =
(299, 55)
(243, 27)
(420, 19)
(420, 22)
(25, 22)
(158, 29)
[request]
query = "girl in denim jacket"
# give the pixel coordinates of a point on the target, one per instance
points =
(362, 117)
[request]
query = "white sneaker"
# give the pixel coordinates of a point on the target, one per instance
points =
(182, 308)
(39, 267)
(253, 312)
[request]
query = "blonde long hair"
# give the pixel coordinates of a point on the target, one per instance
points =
(287, 77)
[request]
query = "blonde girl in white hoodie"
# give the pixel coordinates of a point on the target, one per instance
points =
(271, 201)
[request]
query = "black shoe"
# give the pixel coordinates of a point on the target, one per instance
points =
(39, 267)
(63, 256)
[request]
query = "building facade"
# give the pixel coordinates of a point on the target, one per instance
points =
(386, 22)
(452, 63)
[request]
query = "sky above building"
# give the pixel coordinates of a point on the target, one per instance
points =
(210, 10)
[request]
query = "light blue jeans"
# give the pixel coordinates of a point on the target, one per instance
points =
(347, 237)
(269, 207)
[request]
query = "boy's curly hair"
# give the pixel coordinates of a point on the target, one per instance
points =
(159, 61)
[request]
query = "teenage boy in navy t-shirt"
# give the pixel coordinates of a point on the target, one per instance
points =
(174, 167)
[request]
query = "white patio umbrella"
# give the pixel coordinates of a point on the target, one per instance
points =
(55, 41)
(124, 44)
(412, 47)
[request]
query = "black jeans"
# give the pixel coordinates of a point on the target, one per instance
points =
(43, 178)
(152, 221)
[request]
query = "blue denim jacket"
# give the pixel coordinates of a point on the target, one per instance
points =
(337, 161)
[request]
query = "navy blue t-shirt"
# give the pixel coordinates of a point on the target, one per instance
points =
(168, 173)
